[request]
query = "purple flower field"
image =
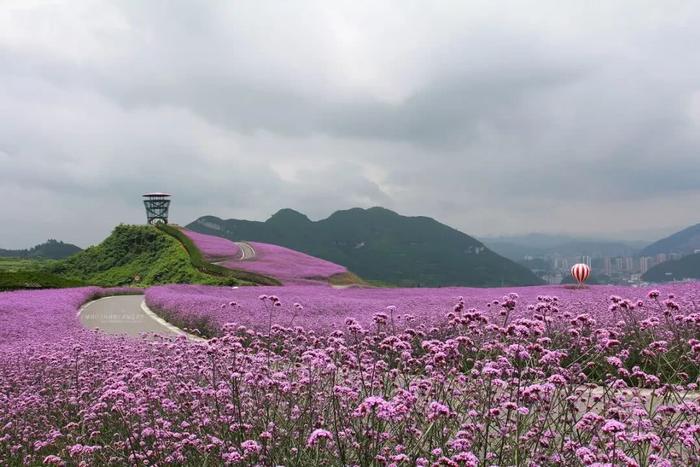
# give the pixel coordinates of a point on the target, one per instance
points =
(45, 315)
(318, 376)
(213, 248)
(288, 266)
(325, 308)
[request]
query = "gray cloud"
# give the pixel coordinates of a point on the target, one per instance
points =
(538, 116)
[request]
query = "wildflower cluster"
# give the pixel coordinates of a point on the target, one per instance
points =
(541, 384)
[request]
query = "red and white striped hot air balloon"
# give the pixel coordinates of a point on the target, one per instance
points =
(580, 272)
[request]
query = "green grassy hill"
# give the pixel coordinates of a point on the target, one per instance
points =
(197, 259)
(137, 256)
(51, 249)
(381, 245)
(15, 280)
(23, 264)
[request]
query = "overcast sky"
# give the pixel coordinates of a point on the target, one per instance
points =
(493, 117)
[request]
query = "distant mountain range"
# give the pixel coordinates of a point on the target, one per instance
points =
(684, 242)
(51, 249)
(381, 245)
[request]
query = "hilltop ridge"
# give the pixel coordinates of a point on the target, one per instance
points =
(684, 242)
(381, 245)
(687, 267)
(50, 249)
(135, 255)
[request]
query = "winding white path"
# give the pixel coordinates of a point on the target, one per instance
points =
(247, 254)
(247, 251)
(126, 314)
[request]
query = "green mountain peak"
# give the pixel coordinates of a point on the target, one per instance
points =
(382, 245)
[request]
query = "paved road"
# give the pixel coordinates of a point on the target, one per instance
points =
(247, 251)
(123, 314)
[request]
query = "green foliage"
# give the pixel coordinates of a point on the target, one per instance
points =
(346, 279)
(135, 255)
(198, 261)
(51, 249)
(23, 264)
(14, 280)
(381, 245)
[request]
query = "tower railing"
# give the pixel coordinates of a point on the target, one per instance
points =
(157, 206)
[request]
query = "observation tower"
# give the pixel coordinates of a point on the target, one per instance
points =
(157, 205)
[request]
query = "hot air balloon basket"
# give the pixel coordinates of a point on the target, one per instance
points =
(575, 286)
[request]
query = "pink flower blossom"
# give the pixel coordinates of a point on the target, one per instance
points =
(317, 435)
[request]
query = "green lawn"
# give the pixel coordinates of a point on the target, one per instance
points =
(34, 280)
(23, 264)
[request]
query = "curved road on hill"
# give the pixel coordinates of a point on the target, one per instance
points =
(125, 314)
(129, 315)
(247, 251)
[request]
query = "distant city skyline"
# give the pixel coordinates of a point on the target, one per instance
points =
(621, 270)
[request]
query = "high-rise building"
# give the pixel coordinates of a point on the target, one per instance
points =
(660, 258)
(645, 263)
(607, 265)
(619, 264)
(560, 263)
